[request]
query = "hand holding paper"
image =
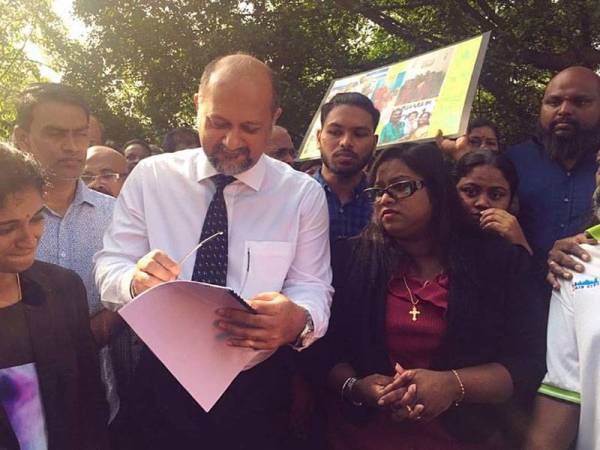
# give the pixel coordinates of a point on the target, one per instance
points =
(278, 321)
(176, 320)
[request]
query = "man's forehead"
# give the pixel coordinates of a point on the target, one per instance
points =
(250, 91)
(574, 83)
(59, 115)
(349, 117)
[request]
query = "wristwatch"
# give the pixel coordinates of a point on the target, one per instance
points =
(306, 336)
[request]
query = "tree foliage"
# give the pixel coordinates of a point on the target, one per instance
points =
(142, 61)
(22, 23)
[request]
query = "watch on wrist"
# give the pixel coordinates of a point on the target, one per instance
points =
(305, 337)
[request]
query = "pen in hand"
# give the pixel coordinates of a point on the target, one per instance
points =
(219, 233)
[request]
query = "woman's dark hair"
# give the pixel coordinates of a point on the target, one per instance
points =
(487, 157)
(19, 171)
(379, 250)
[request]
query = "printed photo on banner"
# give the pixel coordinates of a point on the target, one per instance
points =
(416, 97)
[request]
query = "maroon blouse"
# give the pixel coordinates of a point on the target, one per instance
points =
(411, 343)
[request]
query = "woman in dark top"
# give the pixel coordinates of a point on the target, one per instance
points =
(434, 324)
(51, 396)
(487, 182)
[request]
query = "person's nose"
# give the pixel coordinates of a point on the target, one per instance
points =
(482, 202)
(386, 199)
(347, 141)
(566, 108)
(233, 139)
(27, 237)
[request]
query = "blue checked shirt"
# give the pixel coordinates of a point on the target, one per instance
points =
(346, 220)
(71, 241)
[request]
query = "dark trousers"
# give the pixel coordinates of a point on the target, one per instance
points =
(252, 414)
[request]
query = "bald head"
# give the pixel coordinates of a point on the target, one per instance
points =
(239, 66)
(280, 146)
(581, 74)
(105, 170)
(237, 110)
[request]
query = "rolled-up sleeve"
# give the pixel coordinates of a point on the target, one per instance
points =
(308, 282)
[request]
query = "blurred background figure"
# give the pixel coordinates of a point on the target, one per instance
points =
(481, 133)
(95, 131)
(135, 150)
(105, 170)
(156, 150)
(180, 139)
(280, 146)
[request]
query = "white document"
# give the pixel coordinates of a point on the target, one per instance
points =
(176, 320)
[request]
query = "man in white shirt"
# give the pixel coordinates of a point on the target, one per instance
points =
(567, 408)
(277, 257)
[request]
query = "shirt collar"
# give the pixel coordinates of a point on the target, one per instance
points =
(253, 177)
(83, 194)
(358, 189)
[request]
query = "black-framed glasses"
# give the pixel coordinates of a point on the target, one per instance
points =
(398, 190)
(106, 177)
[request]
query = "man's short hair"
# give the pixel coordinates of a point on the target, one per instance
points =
(139, 142)
(38, 93)
(212, 66)
(351, 99)
(170, 141)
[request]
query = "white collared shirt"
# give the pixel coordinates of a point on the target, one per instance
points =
(278, 237)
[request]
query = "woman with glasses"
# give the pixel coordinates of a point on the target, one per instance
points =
(430, 333)
(51, 396)
(487, 182)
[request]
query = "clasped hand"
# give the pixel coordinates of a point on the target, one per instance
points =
(415, 394)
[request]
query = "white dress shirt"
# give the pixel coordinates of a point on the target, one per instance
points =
(278, 237)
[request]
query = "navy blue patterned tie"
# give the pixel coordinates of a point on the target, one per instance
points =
(211, 258)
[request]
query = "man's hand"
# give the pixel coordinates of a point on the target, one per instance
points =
(560, 259)
(278, 321)
(154, 268)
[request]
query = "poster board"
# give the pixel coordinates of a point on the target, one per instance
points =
(416, 97)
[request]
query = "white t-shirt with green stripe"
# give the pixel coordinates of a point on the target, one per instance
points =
(573, 356)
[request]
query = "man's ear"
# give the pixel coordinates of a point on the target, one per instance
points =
(319, 137)
(21, 137)
(276, 115)
(375, 139)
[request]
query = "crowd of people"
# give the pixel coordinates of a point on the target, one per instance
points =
(436, 295)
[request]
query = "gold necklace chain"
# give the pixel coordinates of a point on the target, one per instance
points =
(414, 312)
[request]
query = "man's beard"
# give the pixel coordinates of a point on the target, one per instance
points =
(345, 171)
(572, 147)
(222, 159)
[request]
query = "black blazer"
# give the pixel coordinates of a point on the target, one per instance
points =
(66, 360)
(496, 313)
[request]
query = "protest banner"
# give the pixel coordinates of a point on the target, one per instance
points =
(416, 97)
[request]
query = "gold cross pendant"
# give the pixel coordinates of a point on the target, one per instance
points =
(414, 312)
